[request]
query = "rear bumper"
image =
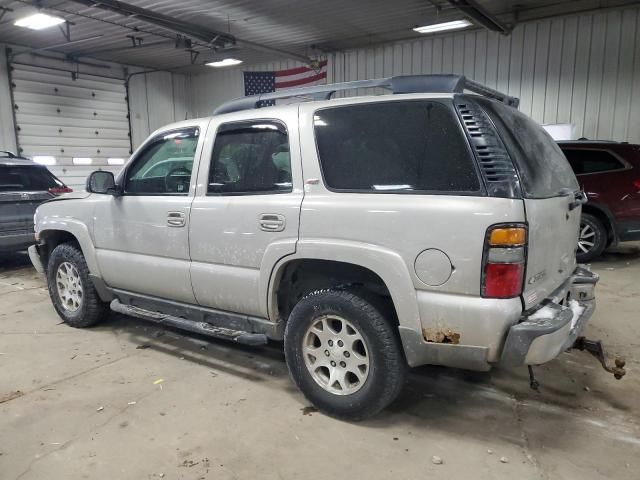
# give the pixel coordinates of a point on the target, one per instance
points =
(542, 335)
(17, 241)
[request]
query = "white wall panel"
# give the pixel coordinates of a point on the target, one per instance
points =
(582, 69)
(7, 131)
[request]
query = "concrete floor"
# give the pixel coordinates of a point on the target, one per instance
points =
(94, 404)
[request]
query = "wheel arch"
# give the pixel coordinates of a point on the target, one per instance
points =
(356, 264)
(52, 235)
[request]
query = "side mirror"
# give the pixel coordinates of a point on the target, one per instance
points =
(102, 182)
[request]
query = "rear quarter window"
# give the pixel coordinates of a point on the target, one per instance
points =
(27, 178)
(394, 147)
(542, 167)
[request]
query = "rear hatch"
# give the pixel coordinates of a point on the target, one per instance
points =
(22, 189)
(550, 192)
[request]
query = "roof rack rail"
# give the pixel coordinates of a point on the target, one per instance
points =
(436, 83)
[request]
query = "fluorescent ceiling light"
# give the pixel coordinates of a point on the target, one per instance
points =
(82, 161)
(44, 159)
(115, 161)
(39, 21)
(227, 62)
(441, 27)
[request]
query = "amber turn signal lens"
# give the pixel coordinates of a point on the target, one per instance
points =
(508, 236)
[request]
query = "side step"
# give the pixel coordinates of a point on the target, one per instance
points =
(203, 328)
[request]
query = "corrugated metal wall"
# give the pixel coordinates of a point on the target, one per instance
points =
(156, 99)
(581, 69)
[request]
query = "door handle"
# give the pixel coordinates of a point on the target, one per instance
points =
(272, 222)
(176, 219)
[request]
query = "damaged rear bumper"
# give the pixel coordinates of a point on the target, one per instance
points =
(543, 335)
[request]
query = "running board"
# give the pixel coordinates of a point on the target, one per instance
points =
(204, 328)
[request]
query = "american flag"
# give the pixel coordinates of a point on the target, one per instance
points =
(256, 83)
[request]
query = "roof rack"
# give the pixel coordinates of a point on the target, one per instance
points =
(437, 83)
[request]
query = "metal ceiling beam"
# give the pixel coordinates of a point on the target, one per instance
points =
(97, 51)
(211, 37)
(478, 14)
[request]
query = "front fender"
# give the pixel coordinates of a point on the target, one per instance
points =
(388, 265)
(48, 225)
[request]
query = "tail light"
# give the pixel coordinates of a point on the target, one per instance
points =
(636, 183)
(505, 255)
(60, 190)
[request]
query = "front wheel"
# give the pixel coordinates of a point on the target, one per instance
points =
(71, 290)
(343, 355)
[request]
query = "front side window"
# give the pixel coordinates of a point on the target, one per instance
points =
(164, 166)
(250, 158)
(394, 147)
(591, 161)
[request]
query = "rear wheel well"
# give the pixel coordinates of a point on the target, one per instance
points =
(51, 239)
(301, 277)
(604, 218)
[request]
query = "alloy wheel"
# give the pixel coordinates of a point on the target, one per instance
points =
(69, 286)
(336, 355)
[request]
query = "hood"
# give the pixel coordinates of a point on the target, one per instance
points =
(75, 195)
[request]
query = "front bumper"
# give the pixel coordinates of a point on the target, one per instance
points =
(542, 335)
(34, 256)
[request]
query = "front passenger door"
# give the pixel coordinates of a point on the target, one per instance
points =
(142, 236)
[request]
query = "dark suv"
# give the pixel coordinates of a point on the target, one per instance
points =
(24, 185)
(609, 173)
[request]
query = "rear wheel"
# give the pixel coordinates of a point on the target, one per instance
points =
(71, 290)
(592, 239)
(343, 355)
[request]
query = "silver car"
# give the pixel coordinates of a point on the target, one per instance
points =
(371, 234)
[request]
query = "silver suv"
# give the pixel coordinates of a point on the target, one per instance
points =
(370, 234)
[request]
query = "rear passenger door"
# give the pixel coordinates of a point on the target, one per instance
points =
(602, 175)
(245, 214)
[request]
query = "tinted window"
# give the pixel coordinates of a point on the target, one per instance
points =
(18, 178)
(591, 161)
(409, 146)
(543, 169)
(164, 166)
(250, 157)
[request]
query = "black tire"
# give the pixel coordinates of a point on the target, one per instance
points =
(91, 309)
(387, 364)
(597, 235)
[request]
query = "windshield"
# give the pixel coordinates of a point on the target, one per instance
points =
(543, 169)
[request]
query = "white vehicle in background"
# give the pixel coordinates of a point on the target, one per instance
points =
(370, 234)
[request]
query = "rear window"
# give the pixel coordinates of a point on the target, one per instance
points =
(394, 147)
(543, 169)
(26, 178)
(584, 160)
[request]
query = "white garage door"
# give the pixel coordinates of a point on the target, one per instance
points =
(72, 126)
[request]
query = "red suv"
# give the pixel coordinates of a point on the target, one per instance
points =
(609, 173)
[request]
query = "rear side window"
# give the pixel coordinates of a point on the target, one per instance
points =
(19, 178)
(250, 158)
(592, 161)
(394, 147)
(543, 169)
